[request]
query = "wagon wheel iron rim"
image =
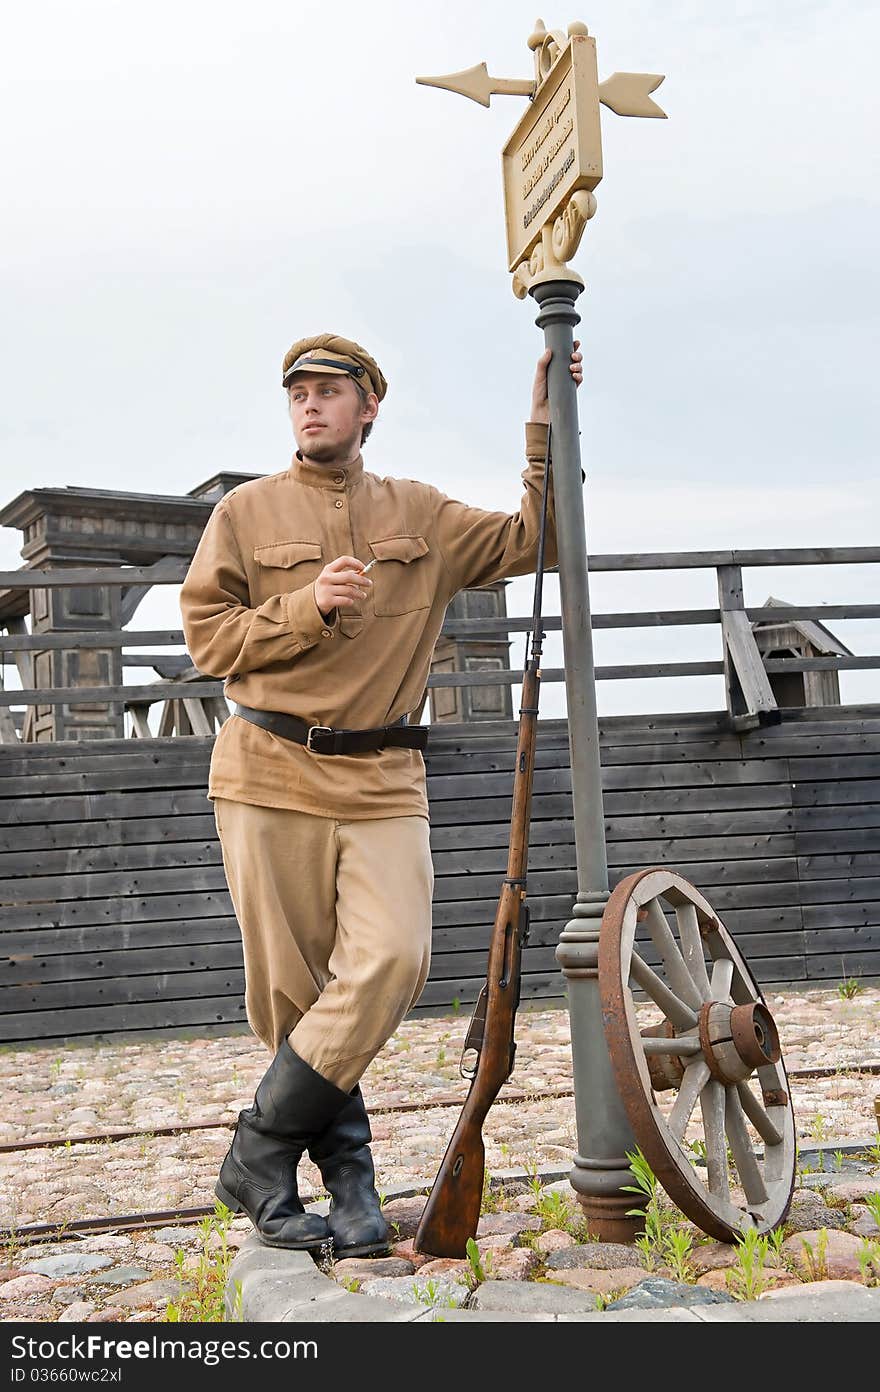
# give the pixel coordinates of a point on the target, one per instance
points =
(716, 1046)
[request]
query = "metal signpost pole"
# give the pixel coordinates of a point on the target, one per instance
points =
(552, 162)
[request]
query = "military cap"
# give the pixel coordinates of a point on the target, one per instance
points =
(331, 353)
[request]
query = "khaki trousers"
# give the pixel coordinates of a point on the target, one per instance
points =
(335, 922)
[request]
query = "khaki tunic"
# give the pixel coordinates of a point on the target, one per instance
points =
(250, 616)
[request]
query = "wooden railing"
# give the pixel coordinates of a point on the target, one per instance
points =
(195, 705)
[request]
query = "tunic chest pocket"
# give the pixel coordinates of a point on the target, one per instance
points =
(288, 565)
(401, 579)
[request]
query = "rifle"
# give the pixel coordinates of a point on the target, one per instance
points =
(452, 1211)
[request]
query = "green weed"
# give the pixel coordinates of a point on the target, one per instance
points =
(868, 1257)
(818, 1128)
(430, 1294)
(664, 1240)
(849, 987)
(748, 1279)
(201, 1299)
(815, 1258)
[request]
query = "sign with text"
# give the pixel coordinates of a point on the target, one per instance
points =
(555, 149)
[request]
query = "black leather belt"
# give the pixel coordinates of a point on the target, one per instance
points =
(322, 739)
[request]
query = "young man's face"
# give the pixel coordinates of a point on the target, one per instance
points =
(328, 416)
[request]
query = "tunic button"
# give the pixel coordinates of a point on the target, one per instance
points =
(340, 478)
(325, 633)
(339, 502)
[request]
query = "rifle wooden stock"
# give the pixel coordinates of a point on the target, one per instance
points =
(452, 1211)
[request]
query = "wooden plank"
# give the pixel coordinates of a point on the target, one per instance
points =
(45, 944)
(842, 939)
(122, 990)
(836, 819)
(665, 802)
(822, 664)
(161, 573)
(140, 721)
(88, 695)
(550, 778)
(746, 851)
(32, 837)
(124, 859)
(53, 750)
(865, 914)
(25, 979)
(815, 843)
(844, 864)
(133, 909)
(624, 830)
(191, 752)
(706, 560)
(144, 773)
(836, 794)
(170, 803)
(841, 891)
(71, 640)
(627, 671)
(748, 688)
(97, 1023)
(505, 624)
(839, 767)
(8, 729)
(117, 885)
(860, 964)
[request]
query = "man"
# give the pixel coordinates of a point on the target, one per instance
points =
(318, 781)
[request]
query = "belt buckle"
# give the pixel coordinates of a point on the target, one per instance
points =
(320, 730)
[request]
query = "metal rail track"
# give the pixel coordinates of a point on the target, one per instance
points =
(37, 1232)
(442, 1100)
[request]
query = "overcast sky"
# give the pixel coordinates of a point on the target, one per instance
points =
(189, 187)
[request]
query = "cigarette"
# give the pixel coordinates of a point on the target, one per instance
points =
(370, 566)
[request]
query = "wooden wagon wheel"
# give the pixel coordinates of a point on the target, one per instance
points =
(713, 1037)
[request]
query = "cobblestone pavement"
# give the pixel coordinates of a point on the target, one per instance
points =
(76, 1091)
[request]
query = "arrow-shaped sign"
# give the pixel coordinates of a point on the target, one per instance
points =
(626, 93)
(479, 86)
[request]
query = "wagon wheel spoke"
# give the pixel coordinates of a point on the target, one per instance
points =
(663, 939)
(685, 1045)
(740, 1144)
(695, 1076)
(712, 1106)
(722, 978)
(692, 947)
(673, 1007)
(764, 1125)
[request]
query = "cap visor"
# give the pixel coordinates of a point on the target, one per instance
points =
(315, 370)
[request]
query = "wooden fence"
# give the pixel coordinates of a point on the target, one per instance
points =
(116, 920)
(191, 705)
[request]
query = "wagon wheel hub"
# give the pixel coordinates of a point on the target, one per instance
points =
(737, 1039)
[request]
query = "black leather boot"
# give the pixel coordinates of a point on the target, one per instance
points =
(342, 1155)
(293, 1103)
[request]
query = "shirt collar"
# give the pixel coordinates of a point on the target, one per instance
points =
(338, 476)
